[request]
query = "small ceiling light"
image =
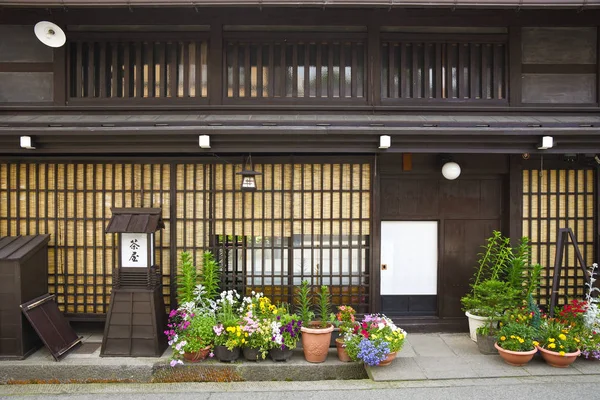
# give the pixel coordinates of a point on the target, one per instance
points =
(204, 141)
(451, 170)
(248, 176)
(27, 142)
(547, 143)
(385, 141)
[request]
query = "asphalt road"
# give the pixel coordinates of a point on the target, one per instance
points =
(546, 388)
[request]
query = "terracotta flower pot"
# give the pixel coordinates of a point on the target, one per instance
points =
(516, 358)
(277, 354)
(388, 359)
(315, 342)
(198, 355)
(554, 358)
(341, 350)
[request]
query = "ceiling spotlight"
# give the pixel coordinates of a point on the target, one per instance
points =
(546, 143)
(204, 141)
(26, 142)
(385, 141)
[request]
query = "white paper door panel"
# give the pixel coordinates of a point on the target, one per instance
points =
(409, 249)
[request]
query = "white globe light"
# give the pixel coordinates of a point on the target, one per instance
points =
(451, 170)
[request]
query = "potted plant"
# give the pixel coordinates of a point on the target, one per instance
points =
(345, 322)
(285, 333)
(376, 340)
(557, 344)
(256, 325)
(229, 337)
(316, 335)
(504, 278)
(515, 343)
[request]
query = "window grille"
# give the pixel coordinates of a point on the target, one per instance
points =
(138, 69)
(295, 69)
(461, 70)
(555, 199)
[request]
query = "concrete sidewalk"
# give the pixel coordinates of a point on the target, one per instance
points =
(437, 356)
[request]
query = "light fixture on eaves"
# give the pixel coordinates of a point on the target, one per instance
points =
(546, 143)
(204, 141)
(385, 141)
(26, 142)
(248, 176)
(450, 168)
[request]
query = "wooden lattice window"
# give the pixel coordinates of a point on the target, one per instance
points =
(332, 69)
(306, 221)
(138, 69)
(72, 203)
(427, 68)
(554, 199)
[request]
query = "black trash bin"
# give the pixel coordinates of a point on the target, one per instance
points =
(23, 277)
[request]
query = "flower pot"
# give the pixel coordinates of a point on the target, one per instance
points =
(516, 358)
(277, 354)
(554, 358)
(251, 354)
(475, 321)
(223, 354)
(341, 350)
(197, 355)
(388, 359)
(485, 343)
(315, 343)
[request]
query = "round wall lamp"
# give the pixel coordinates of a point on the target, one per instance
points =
(451, 170)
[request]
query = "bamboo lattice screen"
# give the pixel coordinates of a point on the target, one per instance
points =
(559, 199)
(306, 221)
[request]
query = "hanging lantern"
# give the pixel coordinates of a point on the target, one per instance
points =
(248, 177)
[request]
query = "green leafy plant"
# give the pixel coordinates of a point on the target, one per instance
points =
(303, 302)
(515, 336)
(187, 280)
(324, 307)
(199, 333)
(209, 275)
(555, 336)
(490, 298)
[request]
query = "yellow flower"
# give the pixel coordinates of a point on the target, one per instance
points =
(536, 343)
(577, 340)
(551, 346)
(551, 340)
(562, 353)
(246, 334)
(503, 338)
(512, 336)
(565, 331)
(562, 337)
(521, 340)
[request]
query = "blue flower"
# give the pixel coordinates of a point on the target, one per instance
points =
(372, 352)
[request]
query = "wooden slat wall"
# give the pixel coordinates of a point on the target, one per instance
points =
(554, 199)
(427, 70)
(72, 203)
(298, 69)
(139, 69)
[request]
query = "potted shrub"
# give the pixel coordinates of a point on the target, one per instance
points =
(316, 335)
(503, 279)
(345, 322)
(376, 340)
(515, 343)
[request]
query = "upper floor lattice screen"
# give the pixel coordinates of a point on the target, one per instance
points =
(138, 69)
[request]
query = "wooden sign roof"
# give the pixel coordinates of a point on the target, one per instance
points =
(135, 220)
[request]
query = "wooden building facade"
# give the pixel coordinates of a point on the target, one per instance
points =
(115, 117)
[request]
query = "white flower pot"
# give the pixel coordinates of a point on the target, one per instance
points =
(475, 321)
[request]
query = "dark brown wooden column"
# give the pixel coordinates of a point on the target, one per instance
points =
(515, 198)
